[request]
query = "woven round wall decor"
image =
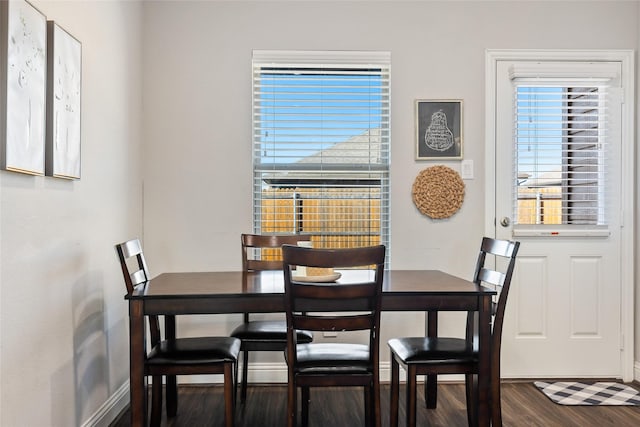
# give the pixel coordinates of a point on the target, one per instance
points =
(438, 192)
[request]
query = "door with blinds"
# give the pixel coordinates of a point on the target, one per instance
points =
(558, 185)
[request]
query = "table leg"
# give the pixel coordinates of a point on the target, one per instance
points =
(171, 383)
(431, 381)
(137, 379)
(484, 362)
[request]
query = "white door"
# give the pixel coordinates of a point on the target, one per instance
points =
(565, 313)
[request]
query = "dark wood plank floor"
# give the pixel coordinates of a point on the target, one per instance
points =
(522, 405)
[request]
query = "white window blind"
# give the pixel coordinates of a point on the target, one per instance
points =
(321, 146)
(561, 134)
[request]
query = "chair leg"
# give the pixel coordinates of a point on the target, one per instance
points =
(496, 403)
(156, 400)
(377, 416)
(411, 396)
(431, 381)
(292, 398)
(172, 396)
(471, 391)
(305, 406)
(431, 391)
(235, 383)
(395, 391)
(229, 398)
(245, 373)
(367, 406)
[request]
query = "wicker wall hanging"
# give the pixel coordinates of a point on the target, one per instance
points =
(438, 192)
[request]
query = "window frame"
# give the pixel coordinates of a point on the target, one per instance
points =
(374, 174)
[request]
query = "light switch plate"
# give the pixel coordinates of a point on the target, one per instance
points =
(467, 169)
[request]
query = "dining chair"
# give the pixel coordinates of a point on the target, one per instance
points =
(433, 355)
(180, 356)
(334, 307)
(260, 253)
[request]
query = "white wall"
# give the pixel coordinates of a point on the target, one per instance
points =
(63, 319)
(197, 65)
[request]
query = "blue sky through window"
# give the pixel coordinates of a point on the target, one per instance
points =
(303, 113)
(539, 132)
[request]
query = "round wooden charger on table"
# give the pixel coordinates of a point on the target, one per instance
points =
(438, 192)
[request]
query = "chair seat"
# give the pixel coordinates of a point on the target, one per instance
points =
(191, 351)
(332, 358)
(424, 350)
(268, 330)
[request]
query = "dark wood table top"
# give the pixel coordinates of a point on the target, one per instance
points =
(233, 291)
(220, 283)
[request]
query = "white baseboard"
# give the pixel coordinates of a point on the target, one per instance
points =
(108, 412)
(267, 373)
(636, 371)
(276, 373)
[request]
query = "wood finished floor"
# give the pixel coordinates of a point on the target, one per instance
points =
(522, 405)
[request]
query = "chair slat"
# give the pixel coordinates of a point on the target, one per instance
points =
(131, 248)
(503, 248)
(333, 291)
(333, 323)
(138, 277)
(491, 276)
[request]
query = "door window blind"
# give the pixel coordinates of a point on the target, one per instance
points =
(321, 146)
(561, 132)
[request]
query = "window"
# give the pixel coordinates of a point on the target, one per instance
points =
(561, 148)
(321, 146)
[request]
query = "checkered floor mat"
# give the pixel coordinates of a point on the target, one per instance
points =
(600, 393)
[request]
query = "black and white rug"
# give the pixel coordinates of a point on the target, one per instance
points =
(599, 393)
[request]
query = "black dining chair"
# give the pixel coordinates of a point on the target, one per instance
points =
(348, 306)
(434, 355)
(180, 356)
(260, 253)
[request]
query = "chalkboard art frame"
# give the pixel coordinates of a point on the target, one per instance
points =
(439, 129)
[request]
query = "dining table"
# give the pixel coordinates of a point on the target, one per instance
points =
(188, 293)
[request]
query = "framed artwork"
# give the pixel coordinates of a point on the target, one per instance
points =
(64, 80)
(438, 129)
(23, 73)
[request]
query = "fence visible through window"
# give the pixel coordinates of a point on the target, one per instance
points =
(331, 217)
(540, 205)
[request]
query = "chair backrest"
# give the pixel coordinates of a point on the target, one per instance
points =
(334, 306)
(496, 279)
(263, 252)
(135, 272)
(132, 276)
